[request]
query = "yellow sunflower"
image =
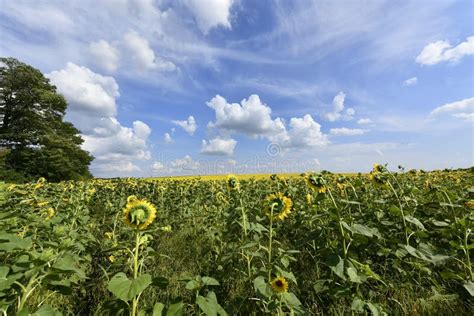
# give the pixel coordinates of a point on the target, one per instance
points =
(139, 214)
(232, 182)
(316, 182)
(279, 285)
(281, 205)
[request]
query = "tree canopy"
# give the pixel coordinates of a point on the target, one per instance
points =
(33, 135)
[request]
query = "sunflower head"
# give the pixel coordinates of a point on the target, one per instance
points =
(279, 285)
(281, 205)
(139, 214)
(232, 182)
(316, 182)
(274, 177)
(378, 168)
(469, 204)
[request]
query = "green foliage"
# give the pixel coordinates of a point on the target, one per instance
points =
(35, 140)
(400, 246)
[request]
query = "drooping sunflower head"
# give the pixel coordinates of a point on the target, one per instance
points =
(378, 178)
(139, 214)
(279, 285)
(232, 182)
(281, 205)
(316, 182)
(378, 168)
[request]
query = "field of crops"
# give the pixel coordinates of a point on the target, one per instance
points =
(379, 243)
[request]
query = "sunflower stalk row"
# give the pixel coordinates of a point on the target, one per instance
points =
(320, 243)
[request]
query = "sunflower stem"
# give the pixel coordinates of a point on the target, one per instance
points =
(135, 271)
(340, 223)
(270, 239)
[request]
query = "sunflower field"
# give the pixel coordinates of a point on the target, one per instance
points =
(381, 243)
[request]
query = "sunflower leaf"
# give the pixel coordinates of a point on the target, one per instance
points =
(126, 289)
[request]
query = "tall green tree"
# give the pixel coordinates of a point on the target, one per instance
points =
(39, 143)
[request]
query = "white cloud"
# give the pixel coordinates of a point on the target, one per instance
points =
(344, 131)
(105, 55)
(86, 91)
(303, 132)
(189, 125)
(218, 146)
(251, 117)
(157, 166)
(440, 51)
(338, 108)
(364, 121)
(410, 82)
(210, 13)
(469, 117)
(458, 106)
(92, 108)
(167, 138)
(142, 55)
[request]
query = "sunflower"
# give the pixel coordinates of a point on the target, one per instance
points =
(279, 285)
(281, 205)
(232, 182)
(139, 214)
(316, 182)
(341, 183)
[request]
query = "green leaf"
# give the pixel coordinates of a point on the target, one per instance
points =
(67, 263)
(415, 221)
(469, 286)
(209, 305)
(357, 305)
(46, 310)
(337, 266)
(126, 289)
(193, 285)
(374, 309)
(158, 309)
(175, 309)
(209, 281)
(262, 287)
(353, 276)
(9, 242)
(291, 300)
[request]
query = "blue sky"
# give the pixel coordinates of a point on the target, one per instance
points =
(240, 86)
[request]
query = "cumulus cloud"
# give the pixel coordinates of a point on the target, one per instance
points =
(344, 131)
(458, 106)
(104, 55)
(410, 82)
(337, 112)
(167, 138)
(251, 117)
(86, 91)
(364, 121)
(189, 125)
(92, 108)
(143, 55)
(218, 146)
(302, 132)
(440, 51)
(210, 13)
